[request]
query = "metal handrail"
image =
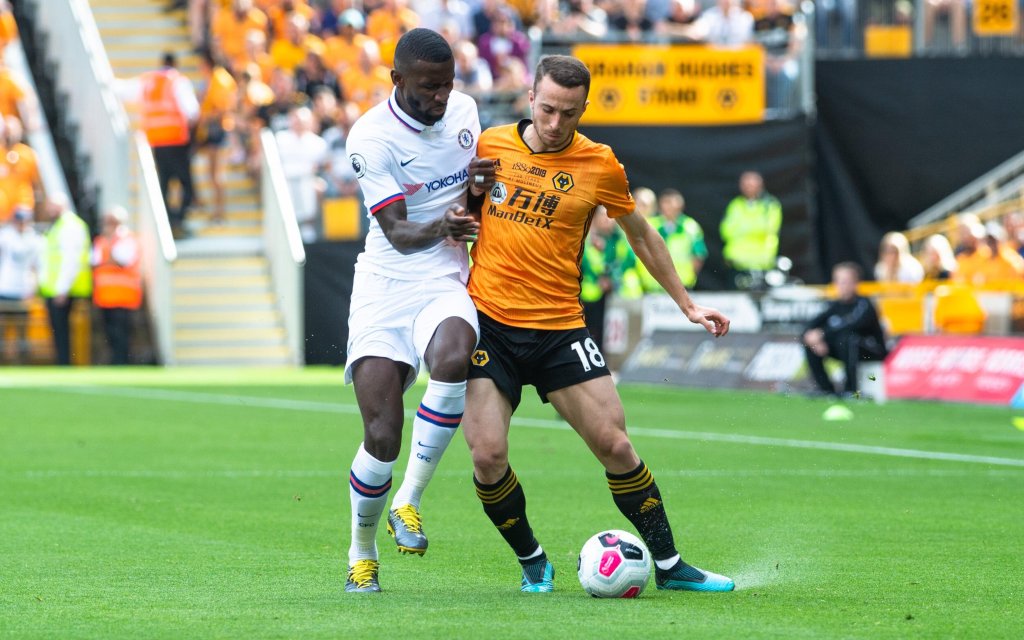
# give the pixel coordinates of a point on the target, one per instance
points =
(948, 224)
(972, 193)
(282, 242)
(158, 249)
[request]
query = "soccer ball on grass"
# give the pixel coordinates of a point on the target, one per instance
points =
(614, 564)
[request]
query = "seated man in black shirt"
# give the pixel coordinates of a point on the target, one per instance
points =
(847, 330)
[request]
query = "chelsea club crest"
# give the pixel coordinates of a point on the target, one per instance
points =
(465, 139)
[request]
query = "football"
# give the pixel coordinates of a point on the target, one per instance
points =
(614, 564)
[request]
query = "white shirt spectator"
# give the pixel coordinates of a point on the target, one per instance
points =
(435, 13)
(303, 154)
(19, 256)
(726, 23)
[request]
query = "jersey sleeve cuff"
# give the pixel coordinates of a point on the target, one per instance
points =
(386, 201)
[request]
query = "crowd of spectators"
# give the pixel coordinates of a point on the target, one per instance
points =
(984, 255)
(21, 190)
(282, 53)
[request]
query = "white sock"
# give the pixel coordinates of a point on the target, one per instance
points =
(435, 424)
(368, 484)
(667, 563)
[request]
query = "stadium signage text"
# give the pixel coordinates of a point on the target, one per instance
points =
(995, 17)
(981, 370)
(673, 85)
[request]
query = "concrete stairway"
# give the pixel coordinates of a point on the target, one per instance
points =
(223, 304)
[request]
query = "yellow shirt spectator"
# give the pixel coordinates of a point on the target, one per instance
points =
(230, 29)
(390, 21)
(288, 55)
(19, 174)
(279, 13)
(341, 52)
(11, 92)
(366, 86)
(8, 29)
(220, 99)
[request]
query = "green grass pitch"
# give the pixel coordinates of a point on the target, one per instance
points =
(147, 503)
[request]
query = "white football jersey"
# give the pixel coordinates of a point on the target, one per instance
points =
(398, 158)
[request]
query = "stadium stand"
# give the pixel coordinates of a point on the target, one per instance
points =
(229, 292)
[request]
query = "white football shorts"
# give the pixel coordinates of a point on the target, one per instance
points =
(395, 319)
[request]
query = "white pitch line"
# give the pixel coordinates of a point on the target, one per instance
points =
(540, 423)
(339, 474)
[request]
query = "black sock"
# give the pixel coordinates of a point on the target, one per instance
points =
(637, 497)
(505, 504)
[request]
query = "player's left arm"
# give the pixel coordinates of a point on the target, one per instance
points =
(650, 249)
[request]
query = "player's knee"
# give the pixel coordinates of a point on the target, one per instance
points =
(382, 442)
(451, 366)
(489, 461)
(614, 446)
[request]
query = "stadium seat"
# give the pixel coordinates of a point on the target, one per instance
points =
(958, 311)
(902, 315)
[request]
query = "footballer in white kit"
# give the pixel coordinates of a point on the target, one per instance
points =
(398, 158)
(414, 156)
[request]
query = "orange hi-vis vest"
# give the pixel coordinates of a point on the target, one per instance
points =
(114, 286)
(162, 119)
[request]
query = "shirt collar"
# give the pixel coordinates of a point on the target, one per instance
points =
(411, 123)
(402, 116)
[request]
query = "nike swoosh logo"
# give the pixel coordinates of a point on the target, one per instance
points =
(425, 446)
(369, 516)
(407, 161)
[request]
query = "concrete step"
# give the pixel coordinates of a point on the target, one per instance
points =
(205, 265)
(217, 281)
(118, 48)
(229, 336)
(143, 57)
(224, 318)
(232, 355)
(131, 70)
(138, 9)
(233, 200)
(143, 32)
(139, 20)
(152, 5)
(211, 247)
(224, 231)
(214, 301)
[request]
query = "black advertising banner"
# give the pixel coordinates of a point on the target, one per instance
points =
(739, 361)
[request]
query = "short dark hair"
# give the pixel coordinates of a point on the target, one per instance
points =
(421, 44)
(565, 71)
(168, 59)
(851, 266)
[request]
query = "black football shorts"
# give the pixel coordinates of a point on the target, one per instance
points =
(548, 359)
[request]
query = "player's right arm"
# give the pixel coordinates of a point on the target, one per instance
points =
(650, 249)
(409, 237)
(373, 163)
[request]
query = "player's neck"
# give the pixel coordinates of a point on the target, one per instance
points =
(532, 140)
(535, 142)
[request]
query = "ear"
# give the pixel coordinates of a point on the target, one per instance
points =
(397, 79)
(585, 105)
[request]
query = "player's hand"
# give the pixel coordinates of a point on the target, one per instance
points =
(711, 319)
(483, 167)
(815, 340)
(458, 225)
